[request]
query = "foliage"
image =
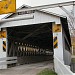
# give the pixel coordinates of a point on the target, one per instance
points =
(47, 72)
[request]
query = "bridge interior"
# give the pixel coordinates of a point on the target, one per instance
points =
(30, 43)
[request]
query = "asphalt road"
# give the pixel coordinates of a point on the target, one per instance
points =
(27, 69)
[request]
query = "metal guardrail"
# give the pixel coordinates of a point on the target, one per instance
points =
(61, 68)
(73, 63)
(8, 60)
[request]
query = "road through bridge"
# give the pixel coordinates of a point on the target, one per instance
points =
(27, 69)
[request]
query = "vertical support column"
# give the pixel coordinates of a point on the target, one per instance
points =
(3, 46)
(73, 16)
(74, 9)
(57, 41)
(72, 50)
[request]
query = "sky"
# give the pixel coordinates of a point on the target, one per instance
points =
(42, 2)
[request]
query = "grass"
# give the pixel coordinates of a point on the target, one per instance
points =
(73, 60)
(47, 72)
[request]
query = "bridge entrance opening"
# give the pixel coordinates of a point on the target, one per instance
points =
(30, 43)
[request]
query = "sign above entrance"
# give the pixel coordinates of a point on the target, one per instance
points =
(26, 12)
(56, 28)
(7, 6)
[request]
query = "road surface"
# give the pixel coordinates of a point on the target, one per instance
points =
(27, 69)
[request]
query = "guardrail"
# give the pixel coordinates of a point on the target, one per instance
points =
(7, 60)
(73, 63)
(60, 68)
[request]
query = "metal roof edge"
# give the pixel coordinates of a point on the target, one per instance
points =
(44, 11)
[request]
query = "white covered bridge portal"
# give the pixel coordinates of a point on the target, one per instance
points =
(30, 43)
(35, 36)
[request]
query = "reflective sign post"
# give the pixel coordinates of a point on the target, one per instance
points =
(58, 41)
